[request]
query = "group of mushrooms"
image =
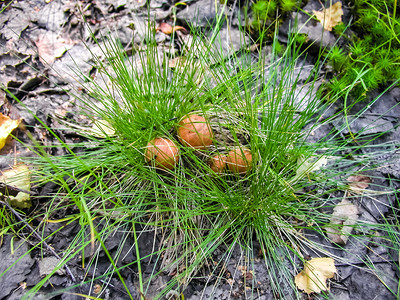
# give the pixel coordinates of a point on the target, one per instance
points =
(195, 131)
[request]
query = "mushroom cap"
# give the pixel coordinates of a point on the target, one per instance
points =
(195, 131)
(218, 163)
(239, 160)
(162, 152)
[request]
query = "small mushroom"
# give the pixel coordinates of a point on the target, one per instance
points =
(239, 160)
(163, 153)
(195, 131)
(218, 163)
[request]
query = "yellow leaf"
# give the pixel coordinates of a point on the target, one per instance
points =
(19, 177)
(330, 17)
(102, 129)
(7, 125)
(306, 166)
(314, 275)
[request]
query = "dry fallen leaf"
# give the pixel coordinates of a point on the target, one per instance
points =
(102, 129)
(242, 269)
(314, 275)
(20, 177)
(23, 285)
(51, 46)
(330, 17)
(344, 216)
(7, 125)
(230, 281)
(168, 29)
(306, 166)
(358, 183)
(97, 289)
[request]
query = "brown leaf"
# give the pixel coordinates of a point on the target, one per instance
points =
(97, 289)
(242, 269)
(179, 28)
(344, 216)
(358, 183)
(314, 275)
(330, 17)
(165, 28)
(168, 29)
(7, 125)
(51, 46)
(230, 281)
(249, 276)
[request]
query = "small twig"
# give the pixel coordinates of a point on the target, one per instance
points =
(38, 236)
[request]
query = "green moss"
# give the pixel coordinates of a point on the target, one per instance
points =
(339, 29)
(367, 18)
(264, 9)
(380, 31)
(384, 63)
(337, 58)
(288, 5)
(379, 4)
(357, 50)
(354, 73)
(300, 38)
(367, 39)
(396, 74)
(368, 59)
(337, 85)
(395, 55)
(264, 12)
(373, 78)
(278, 48)
(372, 48)
(359, 3)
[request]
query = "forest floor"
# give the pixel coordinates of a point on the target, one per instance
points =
(40, 41)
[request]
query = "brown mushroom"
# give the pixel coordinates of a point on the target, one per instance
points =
(239, 160)
(218, 163)
(195, 131)
(163, 153)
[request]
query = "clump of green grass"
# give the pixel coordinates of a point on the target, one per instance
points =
(258, 105)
